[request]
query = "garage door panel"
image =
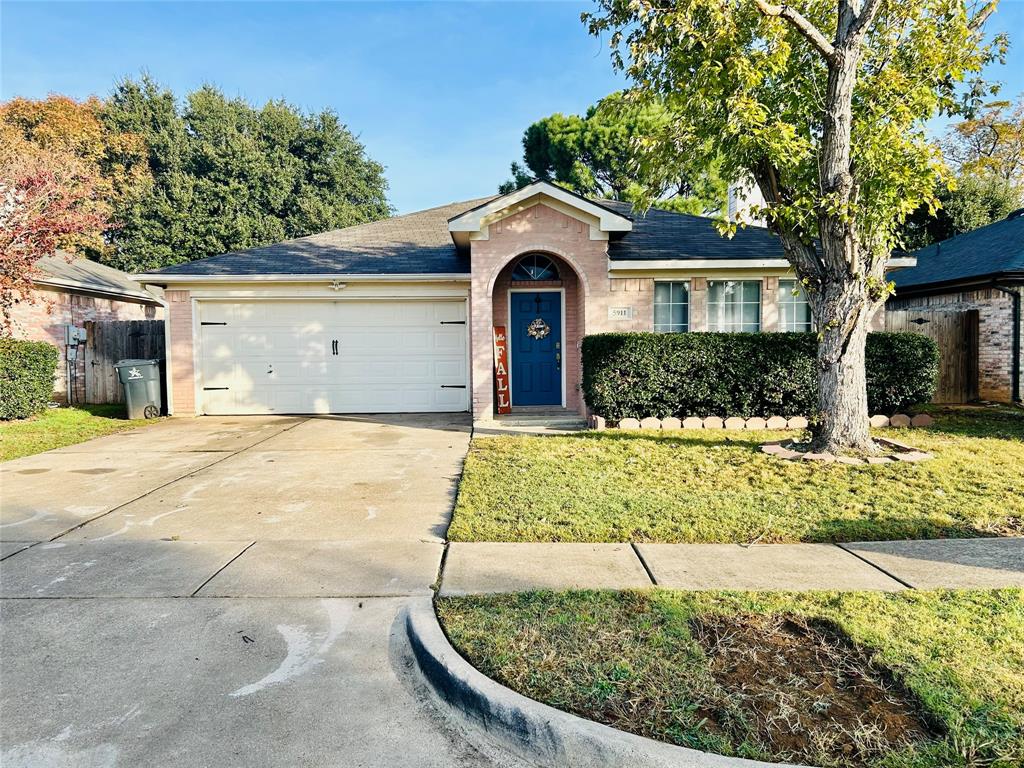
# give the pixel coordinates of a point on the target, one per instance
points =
(277, 357)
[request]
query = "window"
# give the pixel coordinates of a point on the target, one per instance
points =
(671, 307)
(794, 311)
(535, 266)
(734, 305)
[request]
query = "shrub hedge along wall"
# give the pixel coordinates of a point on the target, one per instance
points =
(26, 377)
(742, 374)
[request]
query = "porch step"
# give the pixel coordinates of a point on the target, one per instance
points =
(561, 422)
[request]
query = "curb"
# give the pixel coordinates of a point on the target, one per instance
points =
(535, 732)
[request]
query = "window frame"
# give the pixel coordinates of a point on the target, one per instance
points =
(655, 304)
(787, 299)
(535, 256)
(715, 326)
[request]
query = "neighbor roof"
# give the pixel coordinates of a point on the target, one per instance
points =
(421, 244)
(986, 253)
(417, 243)
(69, 273)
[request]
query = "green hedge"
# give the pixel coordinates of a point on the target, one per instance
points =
(742, 374)
(26, 377)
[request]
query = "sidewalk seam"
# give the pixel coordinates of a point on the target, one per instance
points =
(877, 567)
(640, 557)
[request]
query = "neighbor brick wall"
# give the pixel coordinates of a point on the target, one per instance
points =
(995, 334)
(45, 320)
(182, 373)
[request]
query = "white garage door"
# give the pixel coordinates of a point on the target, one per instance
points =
(333, 357)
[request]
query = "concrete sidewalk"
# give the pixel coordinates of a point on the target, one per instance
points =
(488, 567)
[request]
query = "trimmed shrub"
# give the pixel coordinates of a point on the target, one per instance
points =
(902, 370)
(741, 374)
(26, 377)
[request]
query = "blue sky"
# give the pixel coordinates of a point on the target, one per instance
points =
(439, 92)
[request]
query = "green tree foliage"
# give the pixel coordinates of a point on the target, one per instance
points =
(824, 103)
(974, 201)
(987, 151)
(227, 175)
(600, 154)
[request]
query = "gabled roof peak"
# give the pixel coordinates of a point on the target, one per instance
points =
(473, 224)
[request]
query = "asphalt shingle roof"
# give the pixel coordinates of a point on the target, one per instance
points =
(416, 243)
(64, 271)
(666, 235)
(992, 250)
(420, 243)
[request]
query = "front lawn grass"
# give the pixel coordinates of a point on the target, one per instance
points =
(715, 486)
(58, 427)
(640, 661)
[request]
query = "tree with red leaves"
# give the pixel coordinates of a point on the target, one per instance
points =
(47, 201)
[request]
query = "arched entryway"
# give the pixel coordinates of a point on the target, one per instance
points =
(537, 297)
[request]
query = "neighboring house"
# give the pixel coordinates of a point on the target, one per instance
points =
(399, 314)
(980, 271)
(68, 294)
(740, 198)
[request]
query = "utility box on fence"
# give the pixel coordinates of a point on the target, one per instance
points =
(142, 383)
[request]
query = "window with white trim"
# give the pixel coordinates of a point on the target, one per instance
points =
(794, 311)
(671, 307)
(734, 305)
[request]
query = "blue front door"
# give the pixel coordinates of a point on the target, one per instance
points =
(535, 333)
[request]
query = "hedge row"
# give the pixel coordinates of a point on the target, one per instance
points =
(742, 374)
(26, 377)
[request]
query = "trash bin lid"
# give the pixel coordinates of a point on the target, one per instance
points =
(136, 362)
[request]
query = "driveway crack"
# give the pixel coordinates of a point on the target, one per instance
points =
(160, 487)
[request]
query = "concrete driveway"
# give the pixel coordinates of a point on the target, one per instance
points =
(224, 591)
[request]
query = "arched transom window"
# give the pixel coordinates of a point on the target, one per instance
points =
(535, 266)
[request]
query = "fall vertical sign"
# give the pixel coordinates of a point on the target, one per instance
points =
(503, 402)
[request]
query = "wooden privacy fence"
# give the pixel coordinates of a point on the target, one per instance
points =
(107, 342)
(956, 332)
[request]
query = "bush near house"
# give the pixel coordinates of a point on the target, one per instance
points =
(26, 377)
(742, 374)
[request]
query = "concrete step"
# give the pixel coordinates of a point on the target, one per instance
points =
(574, 422)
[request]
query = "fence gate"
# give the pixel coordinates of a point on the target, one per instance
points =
(956, 332)
(108, 341)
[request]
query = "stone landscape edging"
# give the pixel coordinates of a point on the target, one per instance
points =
(532, 731)
(898, 420)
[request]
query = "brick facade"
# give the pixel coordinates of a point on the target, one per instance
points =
(53, 310)
(590, 293)
(597, 299)
(995, 334)
(182, 366)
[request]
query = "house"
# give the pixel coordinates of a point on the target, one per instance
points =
(401, 314)
(979, 273)
(70, 292)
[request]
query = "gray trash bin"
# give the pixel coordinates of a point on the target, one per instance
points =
(141, 380)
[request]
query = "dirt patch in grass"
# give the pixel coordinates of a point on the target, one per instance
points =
(805, 690)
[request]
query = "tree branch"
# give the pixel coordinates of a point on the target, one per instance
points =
(801, 24)
(864, 18)
(982, 16)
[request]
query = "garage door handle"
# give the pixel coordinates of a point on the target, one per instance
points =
(453, 386)
(334, 347)
(453, 322)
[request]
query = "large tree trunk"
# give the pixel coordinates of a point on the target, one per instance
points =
(843, 314)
